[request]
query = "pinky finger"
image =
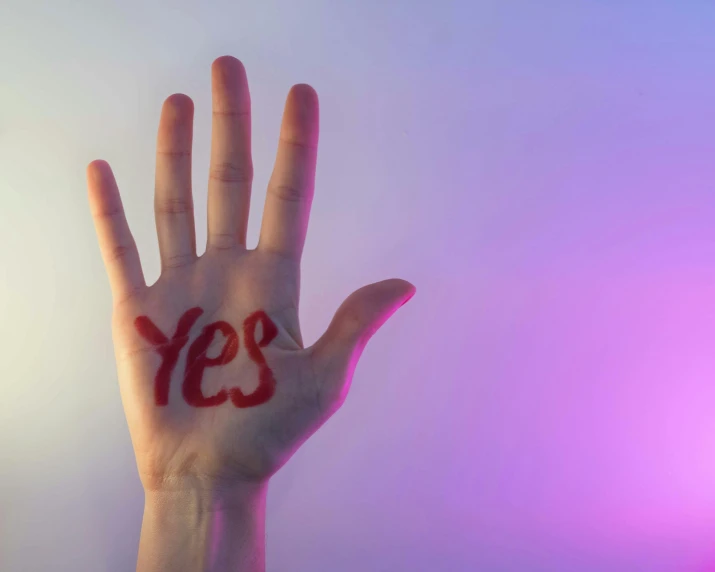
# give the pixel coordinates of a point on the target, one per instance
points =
(116, 243)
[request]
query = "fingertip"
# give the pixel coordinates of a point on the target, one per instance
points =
(409, 289)
(227, 60)
(411, 295)
(178, 105)
(96, 164)
(95, 170)
(305, 92)
(301, 118)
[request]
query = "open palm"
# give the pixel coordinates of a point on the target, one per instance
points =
(216, 384)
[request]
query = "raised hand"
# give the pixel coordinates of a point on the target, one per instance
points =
(216, 385)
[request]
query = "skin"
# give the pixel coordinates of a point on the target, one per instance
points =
(205, 463)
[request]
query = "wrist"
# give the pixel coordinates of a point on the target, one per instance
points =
(191, 499)
(202, 529)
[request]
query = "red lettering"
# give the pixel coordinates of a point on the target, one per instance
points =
(197, 361)
(267, 383)
(167, 349)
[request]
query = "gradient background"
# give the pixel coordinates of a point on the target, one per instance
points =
(542, 171)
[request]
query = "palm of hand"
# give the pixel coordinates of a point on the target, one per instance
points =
(216, 385)
(219, 443)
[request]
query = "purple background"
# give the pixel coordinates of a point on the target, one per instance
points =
(541, 171)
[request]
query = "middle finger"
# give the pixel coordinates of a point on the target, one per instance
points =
(231, 169)
(173, 203)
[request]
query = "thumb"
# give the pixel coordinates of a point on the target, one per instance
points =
(338, 350)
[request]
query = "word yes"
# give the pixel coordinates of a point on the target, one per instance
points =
(197, 361)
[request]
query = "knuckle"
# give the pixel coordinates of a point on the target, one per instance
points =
(178, 261)
(287, 193)
(232, 113)
(299, 144)
(109, 214)
(120, 252)
(174, 205)
(231, 172)
(222, 240)
(351, 321)
(174, 154)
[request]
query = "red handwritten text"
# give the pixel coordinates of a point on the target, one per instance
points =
(167, 349)
(197, 361)
(266, 384)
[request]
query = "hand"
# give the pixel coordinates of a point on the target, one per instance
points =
(216, 385)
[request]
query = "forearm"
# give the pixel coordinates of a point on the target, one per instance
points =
(204, 531)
